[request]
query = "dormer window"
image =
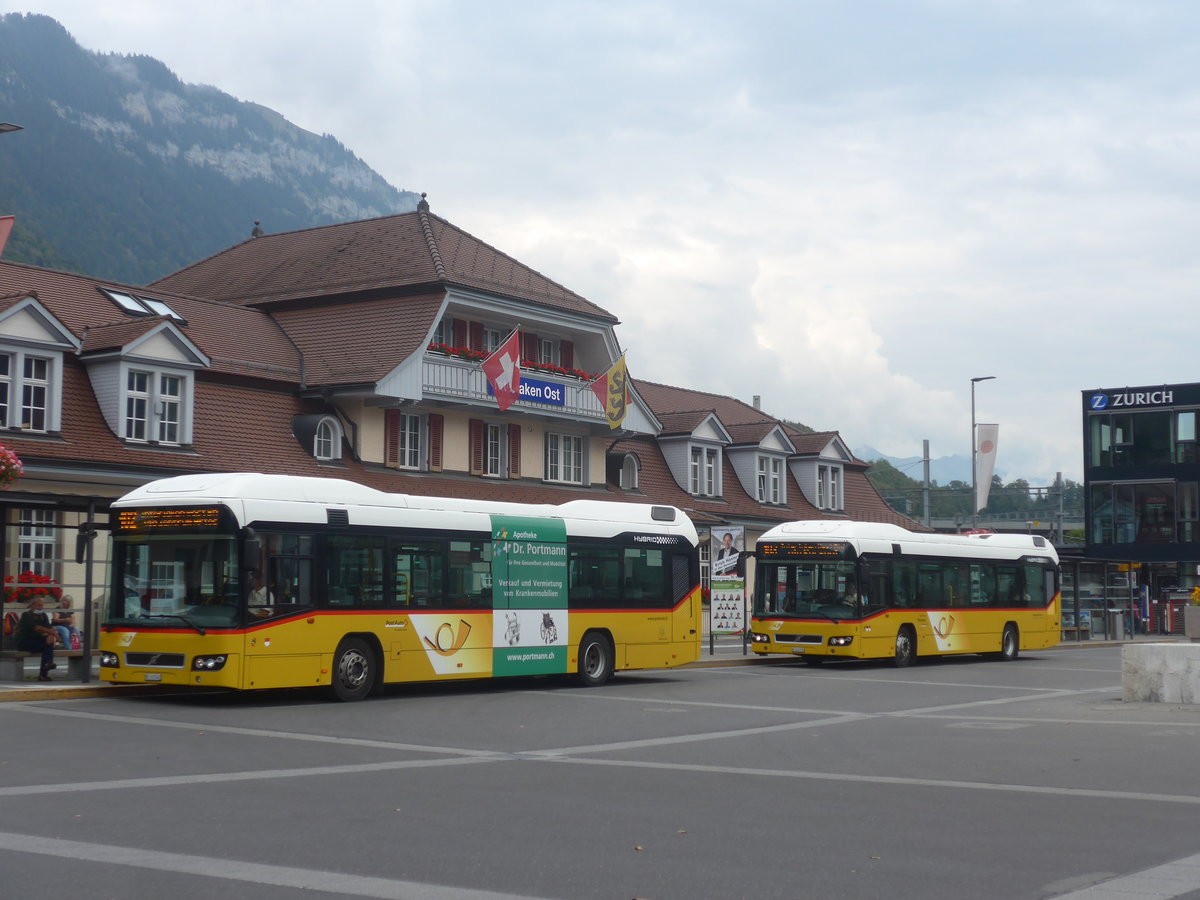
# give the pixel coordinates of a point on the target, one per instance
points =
(629, 473)
(327, 441)
(829, 488)
(29, 391)
(770, 486)
(155, 406)
(704, 472)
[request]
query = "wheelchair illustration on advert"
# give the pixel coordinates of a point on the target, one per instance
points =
(549, 629)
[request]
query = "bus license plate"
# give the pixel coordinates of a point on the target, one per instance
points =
(798, 651)
(153, 676)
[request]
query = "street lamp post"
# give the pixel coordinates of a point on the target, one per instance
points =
(974, 453)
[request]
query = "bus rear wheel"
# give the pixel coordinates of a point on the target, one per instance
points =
(353, 670)
(906, 647)
(595, 659)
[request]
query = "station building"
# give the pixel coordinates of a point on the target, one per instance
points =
(354, 351)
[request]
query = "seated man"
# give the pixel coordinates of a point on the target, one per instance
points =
(35, 634)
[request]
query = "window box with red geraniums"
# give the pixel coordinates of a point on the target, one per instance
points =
(459, 352)
(10, 466)
(27, 585)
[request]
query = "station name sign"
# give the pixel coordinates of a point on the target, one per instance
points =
(537, 391)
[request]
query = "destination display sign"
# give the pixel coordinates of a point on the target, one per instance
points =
(804, 550)
(185, 520)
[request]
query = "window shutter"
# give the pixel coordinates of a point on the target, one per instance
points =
(566, 354)
(514, 451)
(475, 434)
(529, 347)
(459, 333)
(436, 429)
(476, 335)
(391, 437)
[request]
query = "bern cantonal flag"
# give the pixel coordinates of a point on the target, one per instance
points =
(503, 371)
(612, 392)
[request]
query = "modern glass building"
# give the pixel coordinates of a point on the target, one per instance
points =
(1142, 485)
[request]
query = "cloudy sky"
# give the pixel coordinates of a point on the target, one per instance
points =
(848, 207)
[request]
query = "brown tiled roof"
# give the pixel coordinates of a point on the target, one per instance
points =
(664, 399)
(354, 343)
(242, 342)
(682, 422)
(751, 432)
(416, 250)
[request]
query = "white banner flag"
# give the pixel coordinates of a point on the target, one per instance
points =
(985, 462)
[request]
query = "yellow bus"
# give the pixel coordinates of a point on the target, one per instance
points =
(864, 590)
(249, 581)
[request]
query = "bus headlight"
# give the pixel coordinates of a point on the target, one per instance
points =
(109, 660)
(208, 663)
(756, 638)
(841, 641)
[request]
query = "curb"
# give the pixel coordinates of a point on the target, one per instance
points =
(73, 692)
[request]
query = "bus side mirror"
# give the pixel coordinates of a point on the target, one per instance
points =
(741, 562)
(252, 547)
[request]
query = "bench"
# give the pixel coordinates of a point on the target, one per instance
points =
(1085, 633)
(12, 663)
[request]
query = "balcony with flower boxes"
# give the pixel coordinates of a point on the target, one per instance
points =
(454, 374)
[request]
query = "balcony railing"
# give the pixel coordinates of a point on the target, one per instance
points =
(458, 379)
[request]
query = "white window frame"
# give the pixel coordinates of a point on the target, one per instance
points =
(829, 487)
(34, 398)
(439, 332)
(492, 338)
(547, 354)
(628, 477)
(157, 411)
(37, 541)
(409, 441)
(770, 479)
(494, 446)
(327, 440)
(704, 470)
(564, 458)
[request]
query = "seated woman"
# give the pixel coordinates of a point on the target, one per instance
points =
(64, 623)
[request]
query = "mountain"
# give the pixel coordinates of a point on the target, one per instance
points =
(942, 470)
(122, 171)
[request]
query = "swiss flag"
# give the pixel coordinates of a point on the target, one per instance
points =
(503, 371)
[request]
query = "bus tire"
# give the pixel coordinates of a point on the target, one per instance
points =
(1010, 644)
(906, 647)
(354, 670)
(595, 659)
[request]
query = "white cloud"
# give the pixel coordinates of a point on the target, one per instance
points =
(848, 209)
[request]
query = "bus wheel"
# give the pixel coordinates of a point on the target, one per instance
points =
(906, 647)
(595, 659)
(353, 670)
(1010, 647)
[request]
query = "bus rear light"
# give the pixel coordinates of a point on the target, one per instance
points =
(208, 663)
(841, 641)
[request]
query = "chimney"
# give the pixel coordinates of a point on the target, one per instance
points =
(757, 402)
(257, 231)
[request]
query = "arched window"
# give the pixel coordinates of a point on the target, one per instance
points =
(629, 473)
(327, 443)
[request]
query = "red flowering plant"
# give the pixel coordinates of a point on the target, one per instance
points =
(460, 352)
(10, 466)
(552, 369)
(27, 585)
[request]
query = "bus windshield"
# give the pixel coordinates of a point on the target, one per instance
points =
(175, 581)
(823, 590)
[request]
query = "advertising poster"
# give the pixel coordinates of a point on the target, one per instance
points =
(726, 604)
(529, 596)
